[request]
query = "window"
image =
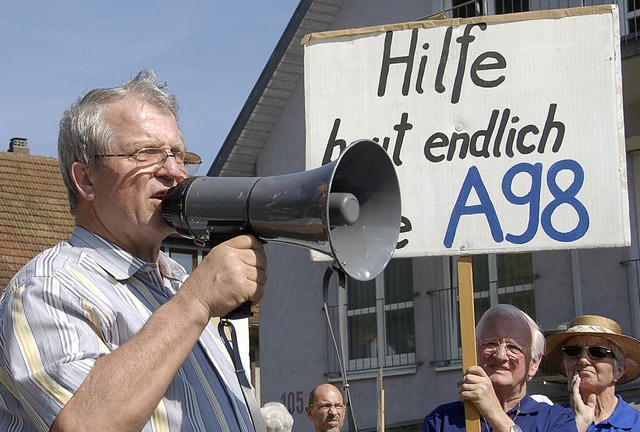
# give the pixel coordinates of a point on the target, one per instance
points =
(474, 8)
(632, 16)
(503, 279)
(496, 279)
(511, 6)
(378, 320)
(466, 8)
(186, 257)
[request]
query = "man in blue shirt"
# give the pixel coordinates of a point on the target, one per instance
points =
(510, 347)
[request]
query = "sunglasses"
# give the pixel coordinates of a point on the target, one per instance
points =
(595, 352)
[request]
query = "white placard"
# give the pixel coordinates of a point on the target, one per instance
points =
(506, 131)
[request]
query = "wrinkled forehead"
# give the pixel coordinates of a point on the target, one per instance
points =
(331, 396)
(505, 327)
(586, 340)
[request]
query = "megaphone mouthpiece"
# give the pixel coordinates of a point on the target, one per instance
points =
(344, 209)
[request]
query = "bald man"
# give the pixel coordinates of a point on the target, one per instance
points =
(326, 408)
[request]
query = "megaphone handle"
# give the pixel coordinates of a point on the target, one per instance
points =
(242, 311)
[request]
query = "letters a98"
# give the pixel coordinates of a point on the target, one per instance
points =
(567, 197)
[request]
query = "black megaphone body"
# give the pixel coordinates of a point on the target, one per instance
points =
(348, 209)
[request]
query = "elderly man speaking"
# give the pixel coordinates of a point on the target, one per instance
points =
(105, 331)
(510, 347)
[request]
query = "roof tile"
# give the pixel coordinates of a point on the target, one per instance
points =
(34, 210)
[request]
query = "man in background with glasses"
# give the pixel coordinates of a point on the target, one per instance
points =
(509, 348)
(326, 408)
(104, 331)
(595, 356)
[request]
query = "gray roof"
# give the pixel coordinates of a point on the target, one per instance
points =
(279, 78)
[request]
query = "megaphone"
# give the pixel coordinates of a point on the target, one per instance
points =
(348, 209)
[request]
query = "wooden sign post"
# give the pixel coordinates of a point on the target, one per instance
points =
(468, 332)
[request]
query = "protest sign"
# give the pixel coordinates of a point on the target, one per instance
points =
(506, 131)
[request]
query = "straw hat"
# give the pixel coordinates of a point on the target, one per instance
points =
(602, 327)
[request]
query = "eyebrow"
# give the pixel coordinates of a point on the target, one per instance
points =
(499, 339)
(138, 145)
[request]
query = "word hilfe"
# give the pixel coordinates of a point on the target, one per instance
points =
(486, 61)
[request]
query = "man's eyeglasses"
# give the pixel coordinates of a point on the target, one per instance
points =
(491, 346)
(156, 157)
(595, 352)
(325, 407)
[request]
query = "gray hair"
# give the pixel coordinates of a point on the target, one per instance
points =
(276, 417)
(538, 341)
(619, 358)
(84, 132)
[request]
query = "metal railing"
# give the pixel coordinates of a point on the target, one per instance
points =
(629, 10)
(373, 335)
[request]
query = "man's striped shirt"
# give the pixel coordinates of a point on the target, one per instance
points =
(82, 299)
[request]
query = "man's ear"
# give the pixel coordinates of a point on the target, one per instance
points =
(533, 366)
(82, 179)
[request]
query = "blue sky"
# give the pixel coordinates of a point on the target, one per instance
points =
(210, 53)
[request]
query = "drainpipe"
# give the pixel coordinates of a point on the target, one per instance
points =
(631, 266)
(576, 282)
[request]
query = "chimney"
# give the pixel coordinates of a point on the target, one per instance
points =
(19, 145)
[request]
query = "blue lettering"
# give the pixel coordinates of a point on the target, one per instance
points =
(532, 198)
(473, 181)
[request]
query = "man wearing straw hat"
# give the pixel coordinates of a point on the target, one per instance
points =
(510, 347)
(595, 356)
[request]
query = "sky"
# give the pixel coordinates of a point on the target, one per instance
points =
(210, 53)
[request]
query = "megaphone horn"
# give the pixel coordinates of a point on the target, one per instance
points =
(348, 209)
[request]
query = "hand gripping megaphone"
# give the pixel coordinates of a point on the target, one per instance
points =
(348, 209)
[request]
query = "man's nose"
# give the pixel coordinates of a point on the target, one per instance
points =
(173, 168)
(501, 351)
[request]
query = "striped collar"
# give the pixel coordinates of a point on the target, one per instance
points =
(120, 264)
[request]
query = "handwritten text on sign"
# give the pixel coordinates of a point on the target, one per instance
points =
(506, 135)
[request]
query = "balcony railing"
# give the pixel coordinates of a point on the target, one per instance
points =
(629, 10)
(376, 334)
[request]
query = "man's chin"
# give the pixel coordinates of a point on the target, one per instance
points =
(333, 426)
(160, 225)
